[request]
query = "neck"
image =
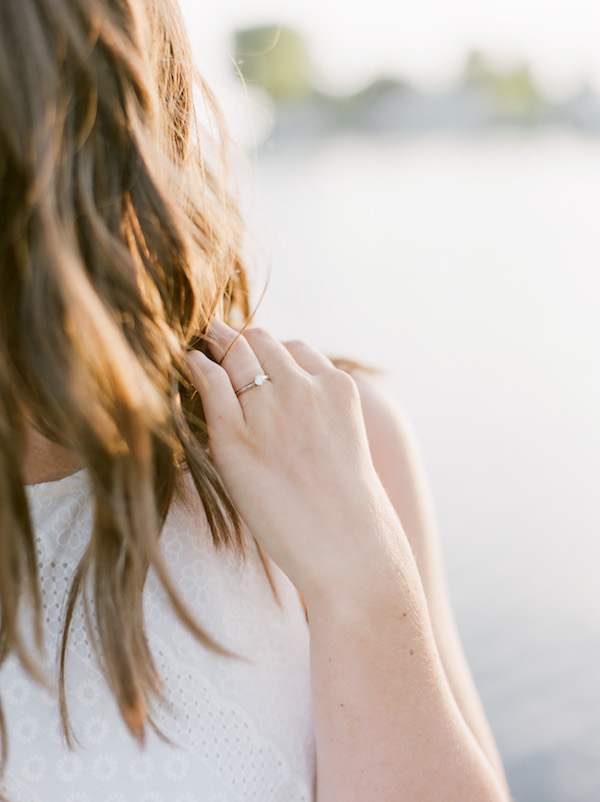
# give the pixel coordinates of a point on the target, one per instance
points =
(46, 461)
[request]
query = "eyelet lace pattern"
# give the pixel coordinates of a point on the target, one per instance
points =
(238, 729)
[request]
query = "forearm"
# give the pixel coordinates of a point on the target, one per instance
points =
(295, 461)
(400, 467)
(387, 725)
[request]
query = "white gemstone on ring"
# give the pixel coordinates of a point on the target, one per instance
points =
(259, 380)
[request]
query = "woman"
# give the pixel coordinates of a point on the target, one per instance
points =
(131, 409)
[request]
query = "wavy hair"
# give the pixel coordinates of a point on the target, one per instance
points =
(118, 241)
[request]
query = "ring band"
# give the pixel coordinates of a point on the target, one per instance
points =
(258, 381)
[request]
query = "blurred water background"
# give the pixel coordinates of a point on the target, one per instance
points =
(450, 237)
(469, 272)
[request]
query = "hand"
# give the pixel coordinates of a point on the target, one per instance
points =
(294, 457)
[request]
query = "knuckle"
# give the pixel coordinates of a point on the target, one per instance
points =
(238, 345)
(342, 381)
(257, 334)
(295, 345)
(300, 390)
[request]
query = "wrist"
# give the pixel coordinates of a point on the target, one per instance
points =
(374, 587)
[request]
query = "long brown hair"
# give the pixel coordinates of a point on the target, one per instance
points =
(118, 241)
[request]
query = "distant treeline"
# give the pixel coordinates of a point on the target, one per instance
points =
(275, 59)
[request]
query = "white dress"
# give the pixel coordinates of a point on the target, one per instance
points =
(241, 729)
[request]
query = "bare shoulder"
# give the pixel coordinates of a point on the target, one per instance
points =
(397, 457)
(389, 430)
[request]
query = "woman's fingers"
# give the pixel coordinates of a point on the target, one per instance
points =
(251, 353)
(271, 353)
(257, 347)
(310, 360)
(288, 355)
(233, 353)
(219, 400)
(243, 357)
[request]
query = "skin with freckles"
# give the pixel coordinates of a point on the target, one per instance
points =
(294, 455)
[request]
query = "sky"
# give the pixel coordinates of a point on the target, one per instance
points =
(427, 41)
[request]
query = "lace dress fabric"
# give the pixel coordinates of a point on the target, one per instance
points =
(239, 729)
